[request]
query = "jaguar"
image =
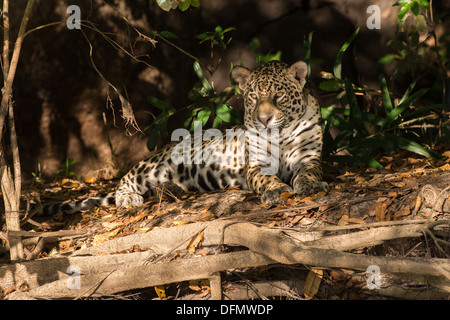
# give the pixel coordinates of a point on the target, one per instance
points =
(277, 103)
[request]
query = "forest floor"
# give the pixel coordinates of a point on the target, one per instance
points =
(408, 191)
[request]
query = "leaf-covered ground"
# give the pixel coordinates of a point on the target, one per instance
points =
(357, 197)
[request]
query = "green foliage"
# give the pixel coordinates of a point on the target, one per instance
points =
(207, 105)
(183, 5)
(414, 7)
(217, 37)
(159, 125)
(260, 58)
(64, 170)
(37, 176)
(417, 49)
(362, 130)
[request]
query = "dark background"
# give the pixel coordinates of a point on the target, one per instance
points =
(60, 100)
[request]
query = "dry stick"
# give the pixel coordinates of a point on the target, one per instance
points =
(267, 241)
(282, 249)
(11, 186)
(136, 277)
(215, 283)
(372, 237)
(127, 110)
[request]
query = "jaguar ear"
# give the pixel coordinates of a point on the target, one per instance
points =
(299, 71)
(240, 75)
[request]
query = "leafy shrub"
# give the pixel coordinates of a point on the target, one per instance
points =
(364, 130)
(207, 104)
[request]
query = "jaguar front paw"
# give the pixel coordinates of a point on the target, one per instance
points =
(273, 196)
(307, 188)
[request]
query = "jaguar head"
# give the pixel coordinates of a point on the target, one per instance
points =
(271, 93)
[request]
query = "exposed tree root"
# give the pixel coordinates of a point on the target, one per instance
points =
(113, 273)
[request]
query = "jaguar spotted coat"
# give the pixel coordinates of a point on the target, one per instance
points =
(275, 102)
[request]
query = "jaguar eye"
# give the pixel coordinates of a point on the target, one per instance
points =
(253, 96)
(279, 95)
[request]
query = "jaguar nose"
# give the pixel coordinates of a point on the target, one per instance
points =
(264, 120)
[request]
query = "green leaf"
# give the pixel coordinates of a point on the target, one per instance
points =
(217, 123)
(254, 44)
(166, 5)
(403, 11)
(401, 3)
(410, 145)
(168, 35)
(385, 60)
(424, 111)
(425, 4)
(408, 91)
(338, 63)
(199, 72)
(184, 4)
(356, 120)
(271, 57)
(188, 120)
(415, 8)
(227, 114)
(372, 118)
(359, 158)
(153, 138)
(158, 103)
(330, 85)
(421, 23)
(229, 29)
(387, 103)
(393, 115)
(203, 116)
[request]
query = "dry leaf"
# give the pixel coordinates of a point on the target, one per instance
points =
(343, 220)
(138, 217)
(179, 222)
(90, 180)
(356, 221)
(112, 225)
(68, 183)
(417, 204)
(380, 211)
(99, 238)
(371, 212)
(360, 180)
(312, 283)
(405, 211)
(400, 184)
(296, 219)
(195, 242)
(306, 221)
(286, 195)
(161, 292)
(198, 285)
(392, 194)
(204, 251)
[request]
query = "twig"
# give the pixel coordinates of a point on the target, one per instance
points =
(94, 287)
(127, 110)
(436, 242)
(305, 207)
